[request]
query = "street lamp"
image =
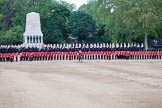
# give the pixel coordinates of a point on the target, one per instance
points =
(133, 30)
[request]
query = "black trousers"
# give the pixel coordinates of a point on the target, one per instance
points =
(31, 58)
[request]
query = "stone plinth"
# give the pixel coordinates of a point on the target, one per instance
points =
(33, 34)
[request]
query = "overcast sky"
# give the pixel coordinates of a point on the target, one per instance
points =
(78, 3)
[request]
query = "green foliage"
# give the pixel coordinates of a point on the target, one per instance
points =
(54, 24)
(98, 21)
(12, 36)
(128, 20)
(54, 16)
(81, 25)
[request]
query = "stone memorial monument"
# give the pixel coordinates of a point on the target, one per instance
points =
(33, 35)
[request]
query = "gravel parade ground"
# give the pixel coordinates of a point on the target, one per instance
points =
(91, 84)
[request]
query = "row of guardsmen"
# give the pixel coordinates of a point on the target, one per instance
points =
(98, 55)
(71, 47)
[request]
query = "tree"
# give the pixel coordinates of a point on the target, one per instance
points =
(128, 21)
(12, 36)
(143, 16)
(7, 12)
(81, 25)
(54, 17)
(54, 24)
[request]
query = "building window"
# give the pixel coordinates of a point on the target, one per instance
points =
(27, 39)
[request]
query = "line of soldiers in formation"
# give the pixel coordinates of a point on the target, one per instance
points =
(71, 47)
(91, 55)
(70, 52)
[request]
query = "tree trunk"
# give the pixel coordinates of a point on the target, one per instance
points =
(146, 42)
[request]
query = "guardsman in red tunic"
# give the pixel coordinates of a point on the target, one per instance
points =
(113, 55)
(154, 54)
(64, 55)
(142, 55)
(16, 57)
(85, 54)
(75, 55)
(89, 55)
(134, 54)
(127, 55)
(80, 56)
(57, 55)
(43, 55)
(101, 55)
(98, 55)
(145, 55)
(34, 56)
(22, 55)
(31, 55)
(70, 55)
(46, 55)
(160, 54)
(11, 55)
(4, 57)
(130, 55)
(49, 55)
(95, 55)
(108, 55)
(26, 56)
(149, 54)
(105, 55)
(39, 56)
(92, 55)
(0, 57)
(118, 55)
(7, 57)
(54, 55)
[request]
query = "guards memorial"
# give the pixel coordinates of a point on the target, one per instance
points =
(33, 35)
